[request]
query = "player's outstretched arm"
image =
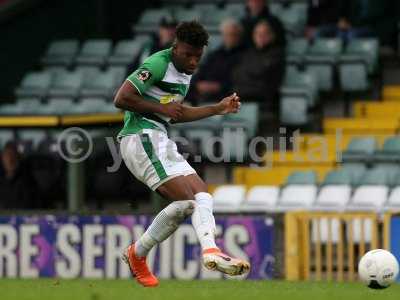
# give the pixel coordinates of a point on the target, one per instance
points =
(128, 98)
(228, 105)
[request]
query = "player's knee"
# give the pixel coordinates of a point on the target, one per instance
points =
(181, 209)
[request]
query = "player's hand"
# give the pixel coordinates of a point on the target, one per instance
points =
(173, 110)
(228, 105)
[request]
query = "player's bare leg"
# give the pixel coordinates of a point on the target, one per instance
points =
(204, 224)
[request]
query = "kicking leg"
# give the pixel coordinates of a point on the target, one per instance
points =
(204, 224)
(163, 225)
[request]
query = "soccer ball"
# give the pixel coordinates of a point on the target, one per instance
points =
(378, 269)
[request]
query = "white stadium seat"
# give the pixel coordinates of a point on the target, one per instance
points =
(357, 230)
(324, 230)
(261, 198)
(394, 199)
(296, 197)
(333, 197)
(227, 198)
(369, 197)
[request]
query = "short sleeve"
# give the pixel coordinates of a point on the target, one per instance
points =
(149, 73)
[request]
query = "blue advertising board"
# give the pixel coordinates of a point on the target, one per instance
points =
(91, 246)
(395, 237)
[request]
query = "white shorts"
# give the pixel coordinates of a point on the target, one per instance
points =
(153, 158)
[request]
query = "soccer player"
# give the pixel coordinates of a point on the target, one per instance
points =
(152, 98)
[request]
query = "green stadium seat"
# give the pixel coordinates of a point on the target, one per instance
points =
(6, 135)
(10, 109)
(391, 170)
(23, 106)
(248, 115)
(90, 105)
(29, 106)
(205, 8)
(94, 52)
(213, 20)
(187, 15)
(367, 49)
(236, 10)
(119, 75)
(32, 136)
(376, 176)
(58, 106)
(300, 84)
(125, 52)
(293, 16)
(214, 123)
(338, 177)
(360, 149)
(153, 16)
(321, 59)
(61, 53)
(100, 85)
(150, 20)
(353, 73)
(88, 70)
(66, 84)
(371, 191)
(356, 170)
(234, 145)
(330, 47)
(302, 177)
(55, 70)
(390, 152)
(34, 84)
(293, 110)
(214, 42)
(396, 180)
(296, 50)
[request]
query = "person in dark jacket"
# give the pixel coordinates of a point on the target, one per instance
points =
(17, 186)
(322, 17)
(259, 75)
(352, 19)
(258, 10)
(213, 80)
(366, 18)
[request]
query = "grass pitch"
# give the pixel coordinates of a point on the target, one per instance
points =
(53, 289)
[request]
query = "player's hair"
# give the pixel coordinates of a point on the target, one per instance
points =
(192, 33)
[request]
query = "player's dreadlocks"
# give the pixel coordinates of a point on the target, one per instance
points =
(192, 33)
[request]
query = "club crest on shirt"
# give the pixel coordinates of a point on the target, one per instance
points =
(144, 75)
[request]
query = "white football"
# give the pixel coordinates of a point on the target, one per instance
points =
(378, 269)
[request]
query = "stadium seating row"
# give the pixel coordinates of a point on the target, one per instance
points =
(336, 194)
(312, 68)
(233, 130)
(58, 106)
(292, 15)
(93, 52)
(61, 83)
(45, 141)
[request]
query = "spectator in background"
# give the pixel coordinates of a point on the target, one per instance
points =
(352, 19)
(366, 18)
(322, 17)
(160, 41)
(213, 80)
(17, 187)
(258, 10)
(259, 74)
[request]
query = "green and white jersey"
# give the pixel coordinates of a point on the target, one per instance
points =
(157, 80)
